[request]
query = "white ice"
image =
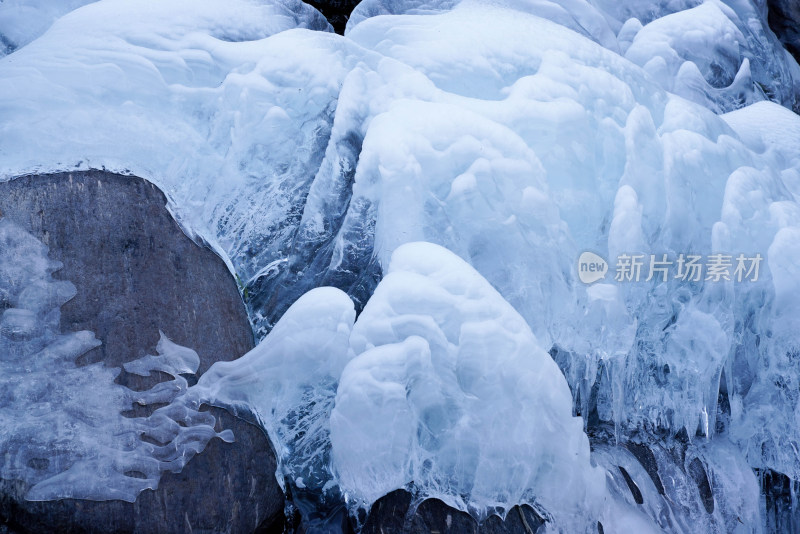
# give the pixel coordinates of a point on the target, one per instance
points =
(22, 21)
(451, 393)
(288, 383)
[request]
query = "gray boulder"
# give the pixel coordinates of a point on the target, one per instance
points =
(137, 273)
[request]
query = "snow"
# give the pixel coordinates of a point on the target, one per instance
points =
(515, 134)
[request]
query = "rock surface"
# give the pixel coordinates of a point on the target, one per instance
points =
(137, 273)
(784, 20)
(394, 514)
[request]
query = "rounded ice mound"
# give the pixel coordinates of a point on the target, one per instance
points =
(451, 394)
(22, 21)
(242, 20)
(374, 8)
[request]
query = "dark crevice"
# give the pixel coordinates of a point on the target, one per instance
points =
(723, 406)
(136, 382)
(784, 20)
(6, 46)
(143, 410)
(698, 474)
(336, 11)
(781, 514)
(151, 440)
(40, 464)
(648, 460)
(637, 494)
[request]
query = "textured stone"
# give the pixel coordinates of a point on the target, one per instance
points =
(137, 273)
(226, 488)
(784, 20)
(394, 514)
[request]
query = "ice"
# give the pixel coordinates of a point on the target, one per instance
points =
(707, 488)
(22, 21)
(440, 383)
(516, 134)
(65, 433)
(719, 54)
(629, 169)
(374, 8)
(451, 393)
(764, 417)
(288, 382)
(172, 358)
(188, 94)
(675, 50)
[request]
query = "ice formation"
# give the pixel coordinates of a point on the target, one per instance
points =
(440, 386)
(517, 134)
(22, 21)
(287, 384)
(450, 391)
(65, 434)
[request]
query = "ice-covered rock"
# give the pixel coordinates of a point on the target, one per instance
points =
(64, 434)
(184, 94)
(517, 134)
(398, 512)
(288, 384)
(77, 425)
(683, 489)
(121, 248)
(439, 386)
